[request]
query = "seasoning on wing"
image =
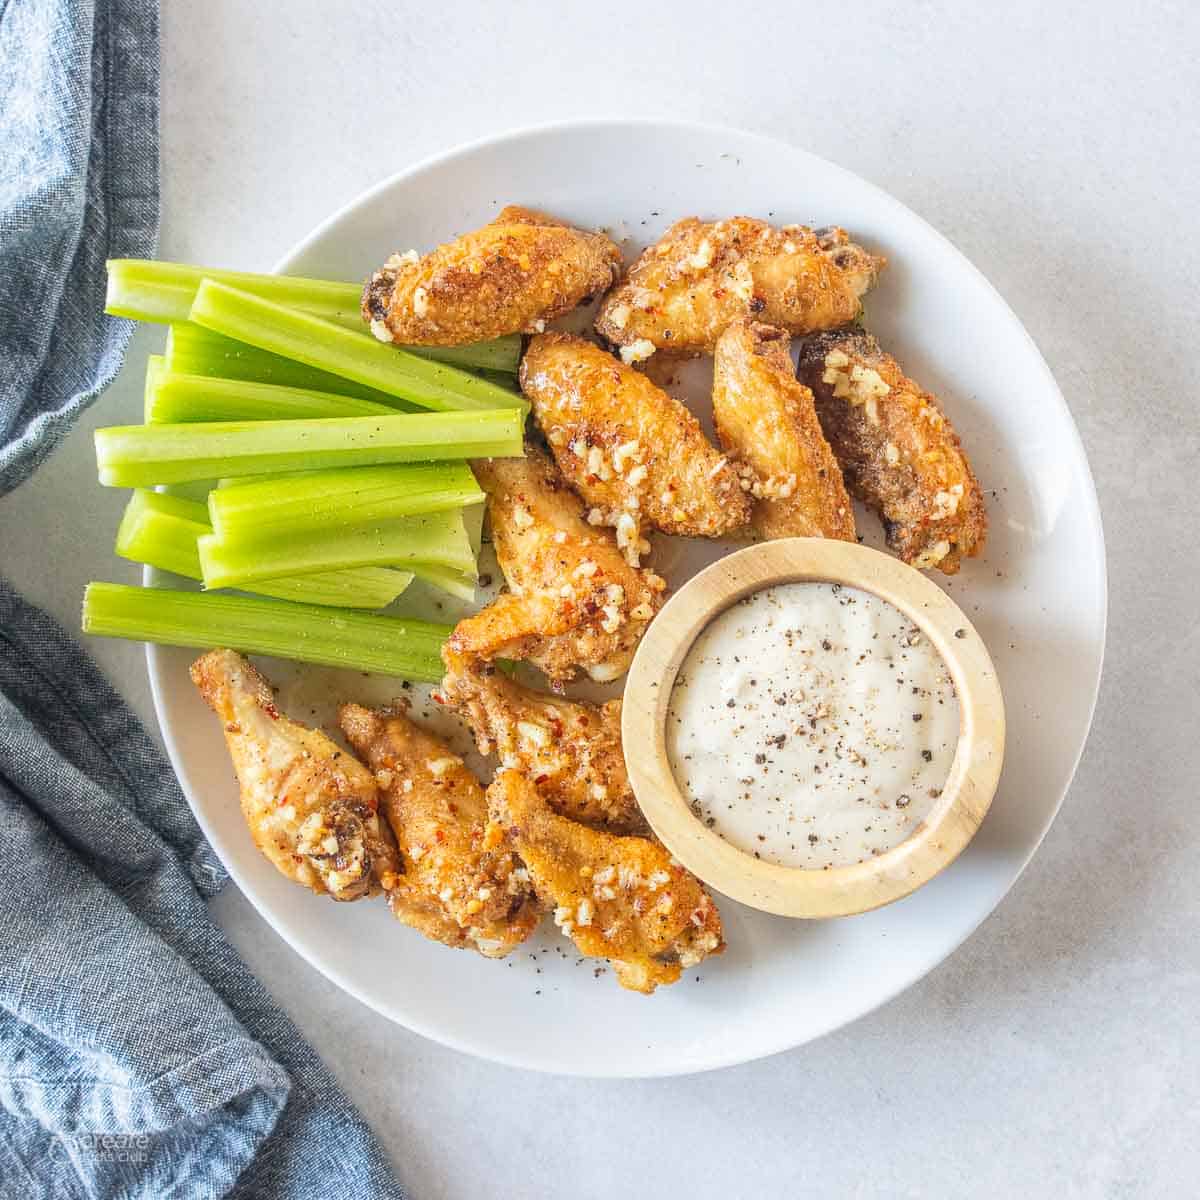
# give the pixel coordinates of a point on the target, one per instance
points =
(448, 884)
(575, 603)
(635, 454)
(512, 276)
(311, 807)
(570, 748)
(620, 898)
(766, 422)
(898, 451)
(683, 292)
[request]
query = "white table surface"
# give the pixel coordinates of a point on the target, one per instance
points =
(1056, 1054)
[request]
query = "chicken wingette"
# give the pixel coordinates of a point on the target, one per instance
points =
(620, 898)
(684, 291)
(512, 276)
(634, 453)
(311, 807)
(899, 453)
(447, 884)
(766, 422)
(575, 603)
(570, 748)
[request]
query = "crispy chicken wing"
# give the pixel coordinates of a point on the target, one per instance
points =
(634, 453)
(570, 748)
(448, 884)
(575, 602)
(684, 291)
(899, 453)
(309, 804)
(767, 423)
(620, 898)
(517, 272)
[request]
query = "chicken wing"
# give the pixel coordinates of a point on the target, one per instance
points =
(311, 807)
(620, 898)
(766, 422)
(635, 454)
(513, 275)
(575, 601)
(683, 292)
(448, 884)
(571, 749)
(899, 453)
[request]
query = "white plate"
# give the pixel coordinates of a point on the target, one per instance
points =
(1038, 598)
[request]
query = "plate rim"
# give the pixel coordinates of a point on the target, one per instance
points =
(853, 1013)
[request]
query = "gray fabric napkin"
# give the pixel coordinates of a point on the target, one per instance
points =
(139, 1058)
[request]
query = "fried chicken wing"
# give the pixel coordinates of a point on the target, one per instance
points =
(766, 422)
(635, 454)
(620, 898)
(572, 749)
(517, 272)
(683, 292)
(448, 884)
(898, 451)
(311, 807)
(575, 602)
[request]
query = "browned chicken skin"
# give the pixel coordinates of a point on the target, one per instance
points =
(635, 454)
(620, 898)
(575, 603)
(899, 452)
(766, 421)
(517, 272)
(684, 291)
(448, 883)
(311, 807)
(571, 749)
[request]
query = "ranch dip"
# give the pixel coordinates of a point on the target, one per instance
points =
(812, 725)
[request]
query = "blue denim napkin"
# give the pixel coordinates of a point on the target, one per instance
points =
(139, 1058)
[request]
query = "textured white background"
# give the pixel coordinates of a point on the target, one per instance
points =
(1056, 1053)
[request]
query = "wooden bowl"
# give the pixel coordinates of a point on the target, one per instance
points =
(832, 891)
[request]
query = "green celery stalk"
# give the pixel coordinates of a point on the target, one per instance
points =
(163, 531)
(156, 368)
(352, 496)
(330, 347)
(179, 399)
(143, 455)
(438, 538)
(149, 290)
(334, 637)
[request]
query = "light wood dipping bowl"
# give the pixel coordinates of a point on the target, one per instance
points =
(833, 891)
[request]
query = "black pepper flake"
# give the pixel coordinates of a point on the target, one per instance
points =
(903, 801)
(731, 703)
(960, 633)
(813, 839)
(826, 644)
(917, 716)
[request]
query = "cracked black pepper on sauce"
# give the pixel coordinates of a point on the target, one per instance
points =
(812, 725)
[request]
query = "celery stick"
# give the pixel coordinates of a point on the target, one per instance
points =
(334, 637)
(454, 582)
(148, 290)
(178, 399)
(331, 347)
(192, 350)
(353, 496)
(156, 368)
(473, 519)
(142, 455)
(163, 531)
(435, 538)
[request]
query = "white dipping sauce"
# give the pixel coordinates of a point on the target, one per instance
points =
(812, 725)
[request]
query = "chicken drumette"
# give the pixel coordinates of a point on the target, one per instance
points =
(575, 603)
(620, 898)
(766, 421)
(449, 883)
(513, 275)
(311, 807)
(684, 291)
